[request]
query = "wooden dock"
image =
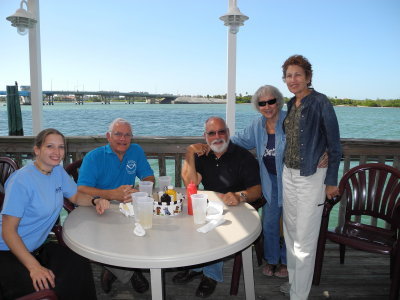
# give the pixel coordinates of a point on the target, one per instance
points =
(364, 276)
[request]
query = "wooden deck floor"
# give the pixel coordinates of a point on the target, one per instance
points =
(363, 276)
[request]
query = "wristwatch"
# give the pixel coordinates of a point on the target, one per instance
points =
(243, 197)
(94, 198)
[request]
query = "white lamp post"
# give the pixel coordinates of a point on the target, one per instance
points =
(234, 19)
(26, 20)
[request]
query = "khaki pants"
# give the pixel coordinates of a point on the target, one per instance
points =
(301, 223)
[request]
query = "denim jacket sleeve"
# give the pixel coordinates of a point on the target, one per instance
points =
(254, 136)
(247, 138)
(333, 146)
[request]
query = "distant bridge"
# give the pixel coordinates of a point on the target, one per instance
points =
(105, 96)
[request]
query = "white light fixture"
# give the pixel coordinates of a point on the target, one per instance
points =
(29, 21)
(22, 19)
(234, 18)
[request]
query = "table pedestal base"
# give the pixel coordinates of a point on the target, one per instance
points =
(157, 285)
(247, 258)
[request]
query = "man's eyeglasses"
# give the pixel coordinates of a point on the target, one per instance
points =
(120, 135)
(270, 102)
(220, 132)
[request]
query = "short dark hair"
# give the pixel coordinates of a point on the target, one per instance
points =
(214, 118)
(301, 61)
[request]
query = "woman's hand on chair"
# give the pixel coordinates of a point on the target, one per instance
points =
(331, 191)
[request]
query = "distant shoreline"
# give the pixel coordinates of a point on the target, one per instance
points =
(199, 100)
(343, 105)
(365, 103)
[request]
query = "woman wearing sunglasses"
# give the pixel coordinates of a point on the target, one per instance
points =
(311, 128)
(266, 134)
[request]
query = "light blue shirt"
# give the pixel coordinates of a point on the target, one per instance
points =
(255, 136)
(37, 200)
(102, 169)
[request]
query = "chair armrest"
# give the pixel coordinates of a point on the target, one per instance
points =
(333, 201)
(40, 295)
(68, 205)
(257, 204)
(57, 229)
(328, 205)
(396, 216)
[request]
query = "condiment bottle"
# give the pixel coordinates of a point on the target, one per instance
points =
(170, 191)
(190, 190)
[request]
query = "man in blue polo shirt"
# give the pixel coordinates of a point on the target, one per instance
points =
(110, 172)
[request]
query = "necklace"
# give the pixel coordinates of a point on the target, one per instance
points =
(41, 170)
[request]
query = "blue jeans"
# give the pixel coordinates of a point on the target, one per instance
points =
(213, 271)
(271, 215)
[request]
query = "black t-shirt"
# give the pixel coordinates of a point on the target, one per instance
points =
(236, 170)
(269, 154)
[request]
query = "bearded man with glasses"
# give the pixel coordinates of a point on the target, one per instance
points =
(225, 168)
(109, 172)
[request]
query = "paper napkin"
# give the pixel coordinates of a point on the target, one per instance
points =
(126, 209)
(214, 210)
(211, 225)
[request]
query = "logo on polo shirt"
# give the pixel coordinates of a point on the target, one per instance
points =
(131, 167)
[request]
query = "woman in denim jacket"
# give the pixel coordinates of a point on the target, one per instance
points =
(266, 134)
(311, 128)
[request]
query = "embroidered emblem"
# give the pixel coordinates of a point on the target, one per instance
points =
(59, 189)
(131, 167)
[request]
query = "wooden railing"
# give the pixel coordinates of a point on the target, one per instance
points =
(164, 150)
(171, 150)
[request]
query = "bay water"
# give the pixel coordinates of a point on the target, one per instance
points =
(188, 119)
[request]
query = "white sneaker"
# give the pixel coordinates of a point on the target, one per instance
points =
(285, 288)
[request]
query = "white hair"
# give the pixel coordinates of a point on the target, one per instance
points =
(119, 121)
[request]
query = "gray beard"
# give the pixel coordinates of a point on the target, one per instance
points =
(219, 149)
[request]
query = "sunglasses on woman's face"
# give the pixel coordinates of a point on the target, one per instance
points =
(270, 102)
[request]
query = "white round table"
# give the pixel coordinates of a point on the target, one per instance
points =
(171, 242)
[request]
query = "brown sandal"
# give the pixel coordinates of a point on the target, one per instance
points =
(268, 270)
(281, 271)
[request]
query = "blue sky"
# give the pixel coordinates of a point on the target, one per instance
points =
(180, 46)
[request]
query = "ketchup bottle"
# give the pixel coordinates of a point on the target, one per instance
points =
(190, 190)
